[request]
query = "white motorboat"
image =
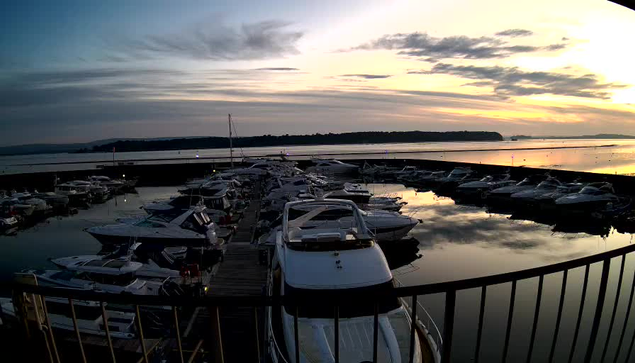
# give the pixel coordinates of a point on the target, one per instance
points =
(182, 202)
(456, 176)
(592, 197)
(14, 205)
(149, 269)
(562, 190)
(406, 172)
(53, 199)
(377, 170)
(332, 167)
(336, 261)
(89, 317)
(487, 183)
(116, 186)
(190, 228)
(39, 205)
(77, 194)
(503, 192)
(431, 177)
(352, 192)
(549, 185)
(114, 276)
(8, 223)
(98, 192)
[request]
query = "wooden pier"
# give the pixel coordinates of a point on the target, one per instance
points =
(239, 274)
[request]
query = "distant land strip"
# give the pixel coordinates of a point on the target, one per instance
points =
(321, 154)
(349, 138)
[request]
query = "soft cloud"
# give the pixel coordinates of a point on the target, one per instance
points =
(512, 81)
(367, 76)
(515, 33)
(213, 41)
(433, 49)
(278, 69)
(93, 104)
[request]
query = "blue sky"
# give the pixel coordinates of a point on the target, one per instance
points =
(74, 71)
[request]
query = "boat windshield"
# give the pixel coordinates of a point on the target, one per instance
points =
(325, 227)
(195, 222)
(309, 306)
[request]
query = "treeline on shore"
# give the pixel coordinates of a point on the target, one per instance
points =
(370, 137)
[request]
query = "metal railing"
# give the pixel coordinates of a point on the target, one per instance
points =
(216, 304)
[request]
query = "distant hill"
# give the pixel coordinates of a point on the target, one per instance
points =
(62, 148)
(371, 137)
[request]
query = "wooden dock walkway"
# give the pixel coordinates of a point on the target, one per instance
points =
(239, 274)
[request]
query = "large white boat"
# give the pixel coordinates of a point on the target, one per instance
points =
(336, 260)
(190, 228)
(147, 270)
(114, 276)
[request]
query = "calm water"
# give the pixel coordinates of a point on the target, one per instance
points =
(619, 158)
(456, 241)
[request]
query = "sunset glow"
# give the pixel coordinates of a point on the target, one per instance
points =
(74, 71)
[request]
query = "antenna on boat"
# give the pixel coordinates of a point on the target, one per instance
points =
(231, 149)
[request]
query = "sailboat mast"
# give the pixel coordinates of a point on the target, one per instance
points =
(231, 148)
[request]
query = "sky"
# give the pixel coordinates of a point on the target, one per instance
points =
(78, 71)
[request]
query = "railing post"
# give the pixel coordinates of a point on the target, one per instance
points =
(598, 310)
(556, 330)
(582, 300)
(104, 318)
(79, 337)
(510, 318)
(178, 333)
(481, 316)
(413, 328)
(536, 316)
(628, 314)
(448, 325)
(49, 328)
(617, 300)
(141, 339)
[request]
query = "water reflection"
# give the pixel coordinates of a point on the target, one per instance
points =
(465, 240)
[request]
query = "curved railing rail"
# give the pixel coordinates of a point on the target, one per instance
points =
(450, 290)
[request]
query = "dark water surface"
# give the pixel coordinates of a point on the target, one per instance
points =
(455, 241)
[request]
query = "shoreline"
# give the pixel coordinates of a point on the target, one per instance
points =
(311, 155)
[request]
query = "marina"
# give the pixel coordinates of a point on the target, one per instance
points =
(446, 217)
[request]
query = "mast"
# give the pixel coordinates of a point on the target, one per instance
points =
(231, 149)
